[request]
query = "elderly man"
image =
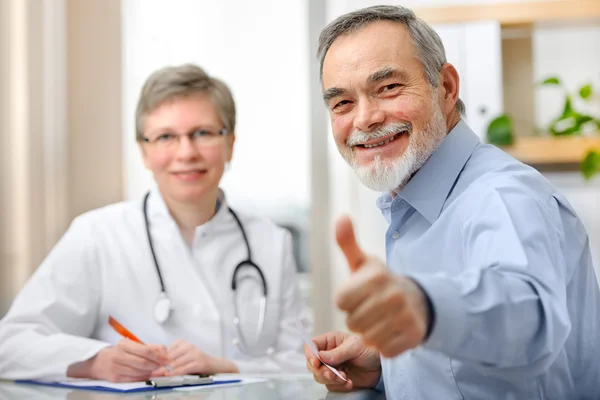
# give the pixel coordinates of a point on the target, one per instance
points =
(488, 291)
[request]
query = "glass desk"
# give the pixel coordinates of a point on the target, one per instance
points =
(275, 387)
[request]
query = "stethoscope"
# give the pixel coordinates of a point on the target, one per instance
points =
(163, 306)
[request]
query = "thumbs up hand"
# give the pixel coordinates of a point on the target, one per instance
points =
(389, 311)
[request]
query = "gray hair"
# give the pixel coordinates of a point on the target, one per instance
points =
(428, 45)
(181, 81)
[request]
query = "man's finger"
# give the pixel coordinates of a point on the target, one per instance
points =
(396, 346)
(311, 358)
(324, 376)
(366, 314)
(343, 387)
(365, 283)
(344, 352)
(344, 234)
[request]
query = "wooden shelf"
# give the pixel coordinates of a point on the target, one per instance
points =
(513, 13)
(540, 151)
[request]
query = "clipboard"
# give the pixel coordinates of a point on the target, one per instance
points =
(164, 383)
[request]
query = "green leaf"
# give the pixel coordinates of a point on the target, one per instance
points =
(569, 121)
(583, 119)
(586, 91)
(499, 131)
(554, 80)
(564, 127)
(572, 124)
(590, 165)
(568, 108)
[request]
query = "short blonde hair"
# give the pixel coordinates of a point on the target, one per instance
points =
(182, 81)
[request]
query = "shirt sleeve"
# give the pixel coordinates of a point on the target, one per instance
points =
(380, 387)
(49, 323)
(507, 307)
(288, 354)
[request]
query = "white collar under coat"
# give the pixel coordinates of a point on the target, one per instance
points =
(160, 217)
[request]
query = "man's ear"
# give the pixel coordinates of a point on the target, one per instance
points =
(448, 88)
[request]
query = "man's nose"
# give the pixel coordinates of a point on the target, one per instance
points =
(369, 116)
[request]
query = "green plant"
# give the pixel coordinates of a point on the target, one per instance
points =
(500, 131)
(569, 123)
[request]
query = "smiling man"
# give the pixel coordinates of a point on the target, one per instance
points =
(488, 290)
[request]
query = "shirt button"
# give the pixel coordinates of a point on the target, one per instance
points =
(395, 235)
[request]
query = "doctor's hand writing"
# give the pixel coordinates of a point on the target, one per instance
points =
(349, 355)
(389, 311)
(185, 358)
(128, 361)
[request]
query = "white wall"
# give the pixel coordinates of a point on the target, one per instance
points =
(260, 49)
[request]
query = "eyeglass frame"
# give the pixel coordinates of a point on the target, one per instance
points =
(154, 141)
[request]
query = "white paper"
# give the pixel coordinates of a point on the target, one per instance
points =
(307, 339)
(89, 382)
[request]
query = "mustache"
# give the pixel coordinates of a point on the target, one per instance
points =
(359, 136)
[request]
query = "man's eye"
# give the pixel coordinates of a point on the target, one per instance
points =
(389, 87)
(341, 104)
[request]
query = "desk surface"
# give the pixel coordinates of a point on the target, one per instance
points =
(275, 387)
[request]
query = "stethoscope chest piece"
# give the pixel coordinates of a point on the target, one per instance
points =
(162, 308)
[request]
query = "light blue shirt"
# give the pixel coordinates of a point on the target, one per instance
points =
(507, 266)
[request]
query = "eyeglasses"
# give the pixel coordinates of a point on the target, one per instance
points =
(200, 137)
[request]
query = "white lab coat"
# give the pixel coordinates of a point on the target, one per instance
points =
(103, 266)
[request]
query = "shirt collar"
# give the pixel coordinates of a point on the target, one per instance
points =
(428, 189)
(158, 212)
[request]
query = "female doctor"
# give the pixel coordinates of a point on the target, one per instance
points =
(204, 288)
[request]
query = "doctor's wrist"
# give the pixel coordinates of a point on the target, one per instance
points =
(222, 366)
(81, 369)
(88, 369)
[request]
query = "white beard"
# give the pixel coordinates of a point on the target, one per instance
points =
(391, 175)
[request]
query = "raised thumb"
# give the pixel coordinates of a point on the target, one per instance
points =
(344, 234)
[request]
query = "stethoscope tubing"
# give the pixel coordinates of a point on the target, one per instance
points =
(247, 262)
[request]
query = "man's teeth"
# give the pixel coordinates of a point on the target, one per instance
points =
(386, 141)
